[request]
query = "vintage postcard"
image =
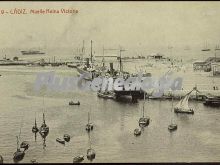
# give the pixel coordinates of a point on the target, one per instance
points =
(109, 82)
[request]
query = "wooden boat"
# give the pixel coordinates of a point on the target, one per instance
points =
(34, 128)
(60, 141)
(66, 137)
(78, 159)
(18, 155)
(91, 154)
(34, 161)
(205, 47)
(137, 132)
(183, 106)
(44, 129)
(213, 101)
(172, 126)
(24, 145)
(74, 103)
(89, 126)
(1, 160)
(144, 120)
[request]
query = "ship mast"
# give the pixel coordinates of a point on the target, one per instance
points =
(91, 51)
(83, 51)
(120, 61)
(103, 62)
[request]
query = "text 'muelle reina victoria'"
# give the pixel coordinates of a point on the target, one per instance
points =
(44, 11)
(53, 11)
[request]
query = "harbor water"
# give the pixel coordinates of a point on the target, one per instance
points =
(196, 139)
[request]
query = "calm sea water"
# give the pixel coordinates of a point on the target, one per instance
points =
(196, 139)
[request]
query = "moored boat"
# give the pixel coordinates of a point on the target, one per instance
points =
(74, 103)
(144, 120)
(44, 129)
(137, 132)
(172, 127)
(34, 128)
(24, 145)
(60, 141)
(89, 126)
(33, 161)
(18, 155)
(1, 160)
(91, 154)
(78, 159)
(66, 137)
(213, 101)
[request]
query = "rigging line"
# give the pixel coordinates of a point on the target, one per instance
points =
(21, 124)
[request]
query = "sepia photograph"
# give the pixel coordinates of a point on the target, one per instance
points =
(109, 82)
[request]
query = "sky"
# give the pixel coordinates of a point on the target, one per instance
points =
(136, 26)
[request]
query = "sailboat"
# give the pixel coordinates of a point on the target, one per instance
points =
(89, 126)
(137, 132)
(90, 152)
(144, 120)
(1, 160)
(172, 126)
(24, 145)
(78, 159)
(217, 47)
(205, 48)
(66, 137)
(44, 129)
(18, 155)
(183, 105)
(34, 128)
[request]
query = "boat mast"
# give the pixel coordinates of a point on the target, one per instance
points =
(171, 112)
(83, 51)
(43, 118)
(35, 122)
(103, 62)
(88, 117)
(43, 111)
(143, 104)
(17, 143)
(91, 51)
(215, 53)
(120, 61)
